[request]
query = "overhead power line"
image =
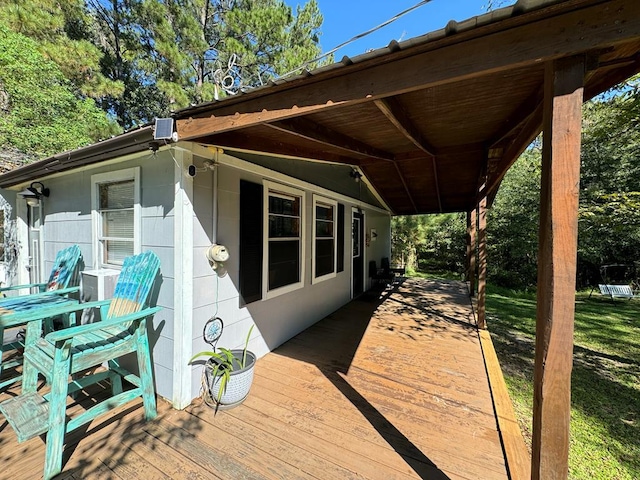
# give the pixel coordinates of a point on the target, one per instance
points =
(357, 37)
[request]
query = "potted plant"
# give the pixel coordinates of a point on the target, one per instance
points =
(228, 374)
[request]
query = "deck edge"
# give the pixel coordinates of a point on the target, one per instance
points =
(516, 453)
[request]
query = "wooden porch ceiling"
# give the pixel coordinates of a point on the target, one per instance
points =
(431, 120)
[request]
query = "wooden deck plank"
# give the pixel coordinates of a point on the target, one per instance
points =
(343, 448)
(389, 386)
(298, 397)
(405, 385)
(263, 436)
(387, 433)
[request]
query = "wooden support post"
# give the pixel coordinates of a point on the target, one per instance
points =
(471, 250)
(482, 263)
(557, 268)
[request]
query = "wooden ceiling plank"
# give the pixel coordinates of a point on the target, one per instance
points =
(592, 27)
(529, 132)
(304, 128)
(263, 145)
(392, 109)
(521, 115)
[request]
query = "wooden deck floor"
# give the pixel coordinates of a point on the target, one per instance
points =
(383, 388)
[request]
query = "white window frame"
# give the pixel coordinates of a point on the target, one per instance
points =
(275, 188)
(109, 177)
(325, 202)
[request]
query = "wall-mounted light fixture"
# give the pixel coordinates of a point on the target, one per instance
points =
(34, 192)
(355, 174)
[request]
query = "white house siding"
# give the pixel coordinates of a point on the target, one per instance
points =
(280, 318)
(380, 247)
(67, 220)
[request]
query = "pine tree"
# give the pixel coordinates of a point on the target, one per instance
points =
(170, 54)
(62, 32)
(39, 112)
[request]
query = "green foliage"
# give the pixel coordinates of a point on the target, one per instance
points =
(609, 217)
(408, 232)
(429, 242)
(444, 248)
(512, 224)
(610, 181)
(62, 32)
(170, 54)
(41, 114)
(141, 59)
(610, 228)
(605, 393)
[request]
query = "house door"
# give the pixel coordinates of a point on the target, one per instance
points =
(357, 267)
(35, 265)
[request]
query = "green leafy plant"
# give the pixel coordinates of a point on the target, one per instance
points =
(224, 362)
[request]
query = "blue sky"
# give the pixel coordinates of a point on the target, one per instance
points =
(344, 19)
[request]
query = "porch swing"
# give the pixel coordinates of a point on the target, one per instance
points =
(618, 280)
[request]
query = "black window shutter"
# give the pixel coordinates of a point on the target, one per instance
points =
(251, 212)
(340, 232)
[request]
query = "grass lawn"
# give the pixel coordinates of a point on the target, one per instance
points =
(605, 415)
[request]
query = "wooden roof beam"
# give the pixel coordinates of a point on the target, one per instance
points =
(406, 188)
(304, 128)
(391, 108)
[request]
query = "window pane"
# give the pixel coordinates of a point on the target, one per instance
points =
(324, 229)
(324, 212)
(116, 210)
(116, 195)
(281, 227)
(284, 263)
(324, 257)
(284, 206)
(340, 232)
(117, 224)
(116, 251)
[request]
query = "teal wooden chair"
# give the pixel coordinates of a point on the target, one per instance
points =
(63, 281)
(60, 355)
(65, 273)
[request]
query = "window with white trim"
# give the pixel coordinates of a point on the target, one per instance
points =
(324, 238)
(284, 239)
(116, 216)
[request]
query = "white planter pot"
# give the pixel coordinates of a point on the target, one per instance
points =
(239, 382)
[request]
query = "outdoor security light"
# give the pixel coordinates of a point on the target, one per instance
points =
(34, 192)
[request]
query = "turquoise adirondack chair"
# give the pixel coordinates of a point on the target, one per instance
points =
(59, 355)
(64, 274)
(63, 280)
